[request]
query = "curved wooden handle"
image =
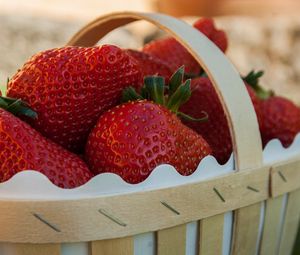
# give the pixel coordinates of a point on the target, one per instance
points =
(227, 82)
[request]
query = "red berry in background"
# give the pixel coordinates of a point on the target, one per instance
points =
(150, 65)
(216, 130)
(207, 27)
(172, 52)
(132, 139)
(23, 148)
(71, 87)
(281, 119)
(280, 116)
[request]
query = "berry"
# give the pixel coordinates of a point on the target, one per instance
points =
(132, 139)
(135, 137)
(207, 27)
(71, 87)
(150, 65)
(23, 148)
(281, 120)
(216, 130)
(173, 53)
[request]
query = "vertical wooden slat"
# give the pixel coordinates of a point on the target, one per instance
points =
(211, 235)
(120, 246)
(246, 224)
(171, 241)
(32, 249)
(291, 223)
(271, 230)
(296, 250)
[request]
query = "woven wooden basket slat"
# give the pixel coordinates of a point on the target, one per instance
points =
(270, 236)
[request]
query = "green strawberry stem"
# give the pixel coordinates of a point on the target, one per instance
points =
(155, 87)
(190, 118)
(175, 80)
(132, 94)
(17, 107)
(179, 92)
(180, 96)
(252, 79)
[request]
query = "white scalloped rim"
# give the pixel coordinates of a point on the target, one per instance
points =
(34, 185)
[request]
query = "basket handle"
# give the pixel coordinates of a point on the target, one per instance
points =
(230, 88)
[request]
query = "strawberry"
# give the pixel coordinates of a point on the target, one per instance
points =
(132, 139)
(150, 65)
(281, 120)
(207, 27)
(173, 53)
(23, 148)
(280, 116)
(71, 87)
(216, 130)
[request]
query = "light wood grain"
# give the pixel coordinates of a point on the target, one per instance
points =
(32, 249)
(171, 241)
(291, 223)
(271, 229)
(120, 246)
(141, 212)
(211, 235)
(246, 222)
(285, 177)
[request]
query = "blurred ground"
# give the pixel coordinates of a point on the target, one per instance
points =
(270, 43)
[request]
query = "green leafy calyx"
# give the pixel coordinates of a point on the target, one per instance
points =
(172, 96)
(17, 107)
(252, 79)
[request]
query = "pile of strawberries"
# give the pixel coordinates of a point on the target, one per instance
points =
(73, 112)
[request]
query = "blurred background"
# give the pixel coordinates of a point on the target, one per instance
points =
(263, 34)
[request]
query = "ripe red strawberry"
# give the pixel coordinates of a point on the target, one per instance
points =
(133, 138)
(281, 119)
(173, 53)
(207, 27)
(23, 148)
(150, 65)
(280, 116)
(71, 87)
(216, 130)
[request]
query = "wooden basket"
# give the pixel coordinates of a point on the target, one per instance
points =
(27, 224)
